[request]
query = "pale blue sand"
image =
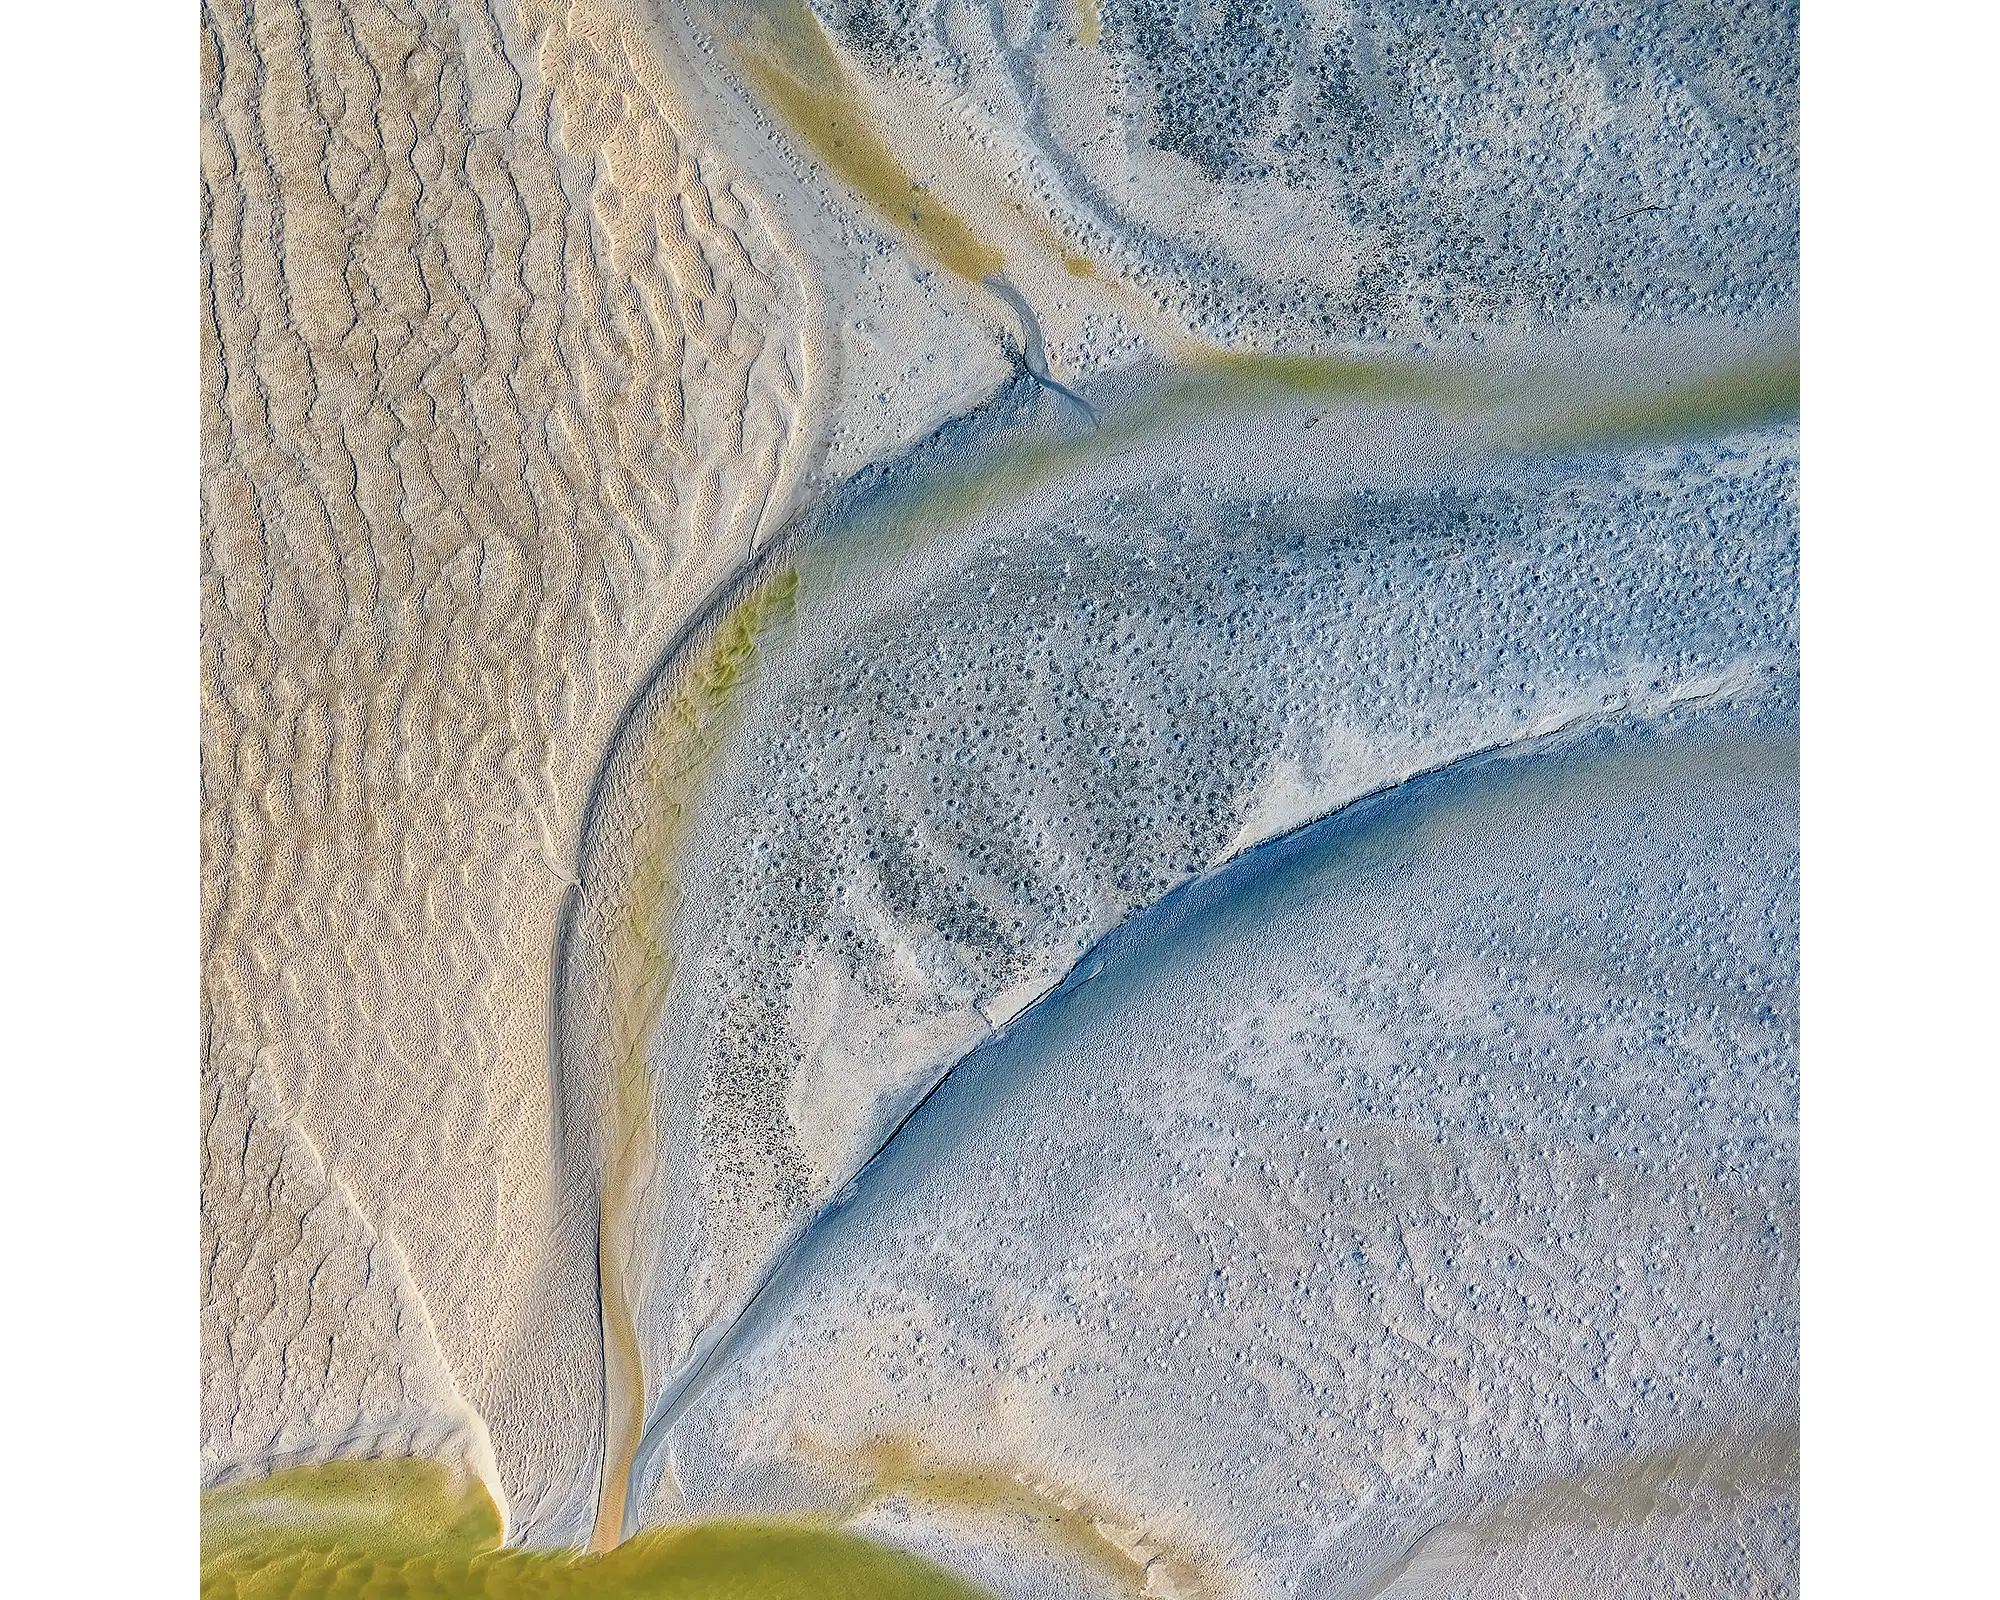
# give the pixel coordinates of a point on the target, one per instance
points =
(1410, 1205)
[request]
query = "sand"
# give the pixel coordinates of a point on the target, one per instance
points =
(607, 416)
(1379, 1215)
(900, 845)
(500, 373)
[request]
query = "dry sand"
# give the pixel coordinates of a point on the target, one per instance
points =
(502, 366)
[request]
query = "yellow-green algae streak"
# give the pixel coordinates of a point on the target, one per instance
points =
(384, 1530)
(638, 968)
(1526, 414)
(1212, 386)
(1761, 388)
(783, 52)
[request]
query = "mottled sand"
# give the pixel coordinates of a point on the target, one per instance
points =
(538, 338)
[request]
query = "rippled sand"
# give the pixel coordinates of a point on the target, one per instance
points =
(502, 367)
(739, 539)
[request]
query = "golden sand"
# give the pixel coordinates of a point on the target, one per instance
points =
(502, 369)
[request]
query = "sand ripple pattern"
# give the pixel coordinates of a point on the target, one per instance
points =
(500, 371)
(324, 1345)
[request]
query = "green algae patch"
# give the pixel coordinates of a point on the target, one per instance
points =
(1232, 377)
(1764, 388)
(394, 1508)
(793, 67)
(1515, 413)
(776, 1561)
(385, 1530)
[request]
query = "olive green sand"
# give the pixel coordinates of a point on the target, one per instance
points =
(389, 1529)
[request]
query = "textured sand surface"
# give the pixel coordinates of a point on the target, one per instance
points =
(740, 538)
(501, 367)
(1297, 174)
(952, 770)
(1411, 1210)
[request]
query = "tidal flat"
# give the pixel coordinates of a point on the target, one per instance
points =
(999, 799)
